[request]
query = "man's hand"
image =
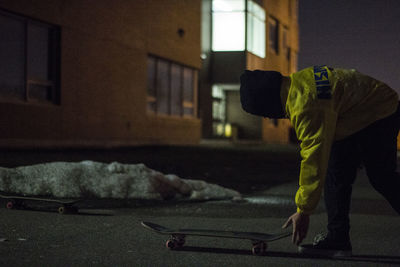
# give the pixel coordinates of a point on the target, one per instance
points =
(300, 222)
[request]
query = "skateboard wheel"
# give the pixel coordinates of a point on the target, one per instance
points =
(61, 210)
(175, 243)
(259, 248)
(171, 244)
(10, 205)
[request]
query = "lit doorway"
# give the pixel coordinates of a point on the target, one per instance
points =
(229, 119)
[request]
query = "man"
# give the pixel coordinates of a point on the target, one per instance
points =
(342, 118)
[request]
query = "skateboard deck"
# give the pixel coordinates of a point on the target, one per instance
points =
(64, 206)
(177, 239)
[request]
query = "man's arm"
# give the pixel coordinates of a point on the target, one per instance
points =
(315, 128)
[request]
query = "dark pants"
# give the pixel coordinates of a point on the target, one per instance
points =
(375, 147)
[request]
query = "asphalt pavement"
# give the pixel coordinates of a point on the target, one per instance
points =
(108, 232)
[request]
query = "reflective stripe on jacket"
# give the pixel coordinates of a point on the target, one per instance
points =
(324, 105)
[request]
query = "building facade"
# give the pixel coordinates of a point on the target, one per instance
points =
(117, 73)
(245, 34)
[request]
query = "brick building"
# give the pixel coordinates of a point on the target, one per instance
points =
(110, 73)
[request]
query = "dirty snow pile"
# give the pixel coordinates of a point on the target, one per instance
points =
(89, 179)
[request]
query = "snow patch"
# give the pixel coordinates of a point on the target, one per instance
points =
(90, 179)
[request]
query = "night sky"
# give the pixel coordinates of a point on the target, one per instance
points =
(360, 34)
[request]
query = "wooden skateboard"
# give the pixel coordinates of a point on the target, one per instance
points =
(177, 239)
(64, 206)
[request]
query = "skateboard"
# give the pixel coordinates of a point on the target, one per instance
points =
(19, 202)
(177, 239)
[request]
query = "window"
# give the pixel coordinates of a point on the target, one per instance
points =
(176, 92)
(188, 91)
(218, 110)
(171, 88)
(286, 43)
(29, 60)
(151, 85)
(162, 82)
(219, 104)
(256, 29)
(229, 26)
(287, 51)
(228, 22)
(273, 35)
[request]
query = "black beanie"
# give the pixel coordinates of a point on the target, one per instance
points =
(260, 93)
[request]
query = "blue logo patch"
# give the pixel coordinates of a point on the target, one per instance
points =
(324, 90)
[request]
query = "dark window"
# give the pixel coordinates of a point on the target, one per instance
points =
(286, 43)
(12, 58)
(188, 86)
(162, 87)
(171, 88)
(273, 35)
(29, 59)
(151, 85)
(176, 90)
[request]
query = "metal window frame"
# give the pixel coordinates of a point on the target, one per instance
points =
(54, 55)
(184, 104)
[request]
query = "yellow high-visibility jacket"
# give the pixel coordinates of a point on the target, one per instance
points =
(325, 105)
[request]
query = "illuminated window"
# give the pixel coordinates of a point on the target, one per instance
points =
(219, 103)
(171, 88)
(219, 110)
(29, 59)
(229, 26)
(273, 35)
(256, 29)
